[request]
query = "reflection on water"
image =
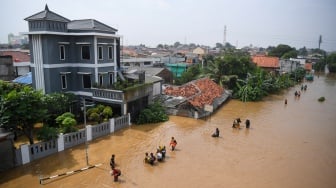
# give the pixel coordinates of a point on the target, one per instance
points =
(289, 145)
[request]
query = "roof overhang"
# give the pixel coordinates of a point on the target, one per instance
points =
(84, 73)
(70, 34)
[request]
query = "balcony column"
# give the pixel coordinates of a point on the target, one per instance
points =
(124, 109)
(95, 52)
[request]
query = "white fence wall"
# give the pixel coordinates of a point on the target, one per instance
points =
(35, 151)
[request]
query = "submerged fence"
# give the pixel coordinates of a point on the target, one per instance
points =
(28, 153)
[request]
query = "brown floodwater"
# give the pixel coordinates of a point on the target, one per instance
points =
(291, 145)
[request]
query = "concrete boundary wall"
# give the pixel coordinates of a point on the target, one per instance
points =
(28, 153)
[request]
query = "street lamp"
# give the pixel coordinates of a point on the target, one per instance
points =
(86, 142)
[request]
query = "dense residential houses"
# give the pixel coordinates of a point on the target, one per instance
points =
(87, 58)
(281, 66)
(20, 59)
(287, 66)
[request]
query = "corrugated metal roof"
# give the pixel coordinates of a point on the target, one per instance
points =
(24, 79)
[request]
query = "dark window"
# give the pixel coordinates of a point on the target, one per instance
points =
(63, 80)
(111, 78)
(147, 63)
(85, 52)
(62, 52)
(110, 52)
(100, 52)
(100, 80)
(87, 81)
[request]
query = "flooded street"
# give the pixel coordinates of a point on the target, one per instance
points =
(291, 145)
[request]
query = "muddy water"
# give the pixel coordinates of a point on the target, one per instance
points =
(289, 145)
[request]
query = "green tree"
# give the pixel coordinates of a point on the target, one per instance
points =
(226, 69)
(58, 103)
(228, 46)
(67, 122)
(99, 113)
(21, 109)
(213, 70)
(177, 44)
(280, 50)
(290, 54)
(219, 45)
(192, 73)
(303, 51)
(331, 60)
(261, 83)
(47, 133)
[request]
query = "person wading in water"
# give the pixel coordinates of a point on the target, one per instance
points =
(173, 143)
(216, 133)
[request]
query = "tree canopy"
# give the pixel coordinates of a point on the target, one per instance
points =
(99, 113)
(281, 50)
(58, 103)
(21, 108)
(331, 60)
(226, 68)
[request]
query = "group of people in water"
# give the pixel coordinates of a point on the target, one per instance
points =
(237, 121)
(160, 154)
(236, 124)
(298, 93)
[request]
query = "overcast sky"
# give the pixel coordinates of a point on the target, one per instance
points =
(259, 23)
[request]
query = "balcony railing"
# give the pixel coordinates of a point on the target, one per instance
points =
(128, 94)
(108, 94)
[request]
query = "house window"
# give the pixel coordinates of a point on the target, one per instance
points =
(63, 81)
(147, 63)
(110, 52)
(100, 80)
(62, 52)
(85, 52)
(111, 78)
(100, 52)
(87, 81)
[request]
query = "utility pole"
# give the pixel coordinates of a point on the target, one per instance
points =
(224, 37)
(320, 41)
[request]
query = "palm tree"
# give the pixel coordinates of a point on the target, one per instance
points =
(216, 71)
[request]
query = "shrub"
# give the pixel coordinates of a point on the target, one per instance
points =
(154, 113)
(99, 113)
(67, 122)
(47, 133)
(321, 99)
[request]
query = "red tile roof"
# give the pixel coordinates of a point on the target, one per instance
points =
(198, 93)
(17, 56)
(266, 61)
